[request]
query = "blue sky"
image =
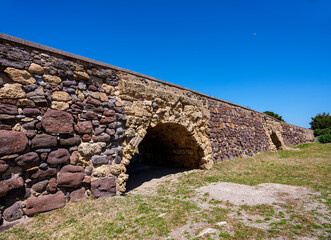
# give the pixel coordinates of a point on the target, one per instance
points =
(208, 46)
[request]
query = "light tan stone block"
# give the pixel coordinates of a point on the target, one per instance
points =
(36, 68)
(52, 79)
(82, 75)
(12, 91)
(20, 76)
(61, 96)
(58, 105)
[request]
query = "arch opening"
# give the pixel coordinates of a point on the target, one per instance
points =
(275, 140)
(166, 148)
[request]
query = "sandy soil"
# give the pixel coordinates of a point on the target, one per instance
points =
(272, 194)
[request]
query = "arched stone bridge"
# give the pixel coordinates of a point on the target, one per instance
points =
(69, 127)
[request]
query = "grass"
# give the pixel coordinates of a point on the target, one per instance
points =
(176, 205)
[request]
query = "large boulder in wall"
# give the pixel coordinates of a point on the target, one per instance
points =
(12, 142)
(44, 203)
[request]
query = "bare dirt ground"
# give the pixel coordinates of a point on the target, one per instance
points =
(233, 197)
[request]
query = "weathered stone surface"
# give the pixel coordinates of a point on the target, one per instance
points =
(87, 179)
(44, 203)
(104, 187)
(30, 133)
(7, 117)
(3, 166)
(81, 75)
(52, 185)
(77, 108)
(70, 176)
(106, 120)
(69, 83)
(109, 113)
(44, 141)
(20, 76)
(52, 79)
(104, 137)
(30, 125)
(103, 97)
(38, 97)
(12, 213)
(43, 165)
(89, 149)
(98, 160)
(82, 85)
(78, 195)
(28, 160)
(89, 115)
(62, 106)
(108, 89)
(86, 138)
(85, 127)
(44, 173)
(92, 88)
(25, 103)
(30, 87)
(67, 142)
(99, 130)
(8, 63)
(12, 91)
(61, 96)
(55, 121)
(12, 183)
(6, 157)
(36, 69)
(31, 112)
(40, 187)
(74, 157)
(59, 156)
(12, 142)
(111, 132)
(8, 109)
(80, 95)
(93, 101)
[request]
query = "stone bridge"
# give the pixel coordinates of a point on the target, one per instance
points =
(69, 127)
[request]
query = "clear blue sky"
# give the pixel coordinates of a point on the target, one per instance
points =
(208, 45)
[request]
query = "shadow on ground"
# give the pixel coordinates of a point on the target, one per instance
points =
(138, 175)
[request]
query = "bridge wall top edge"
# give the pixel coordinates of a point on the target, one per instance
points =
(41, 47)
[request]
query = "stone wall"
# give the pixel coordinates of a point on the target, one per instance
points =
(294, 135)
(70, 126)
(61, 130)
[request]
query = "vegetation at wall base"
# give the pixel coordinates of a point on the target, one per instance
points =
(274, 115)
(326, 138)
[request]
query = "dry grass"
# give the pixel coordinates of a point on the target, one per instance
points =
(177, 206)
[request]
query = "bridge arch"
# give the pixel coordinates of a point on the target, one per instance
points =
(174, 117)
(170, 144)
(273, 130)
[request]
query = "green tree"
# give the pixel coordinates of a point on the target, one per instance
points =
(321, 124)
(321, 121)
(274, 115)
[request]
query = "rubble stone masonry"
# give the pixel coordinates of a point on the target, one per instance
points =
(69, 127)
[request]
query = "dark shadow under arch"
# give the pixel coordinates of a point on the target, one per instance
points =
(166, 148)
(275, 140)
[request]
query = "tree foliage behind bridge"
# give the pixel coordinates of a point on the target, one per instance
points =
(321, 124)
(274, 115)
